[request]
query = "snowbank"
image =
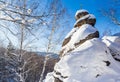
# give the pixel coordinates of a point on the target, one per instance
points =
(90, 62)
(113, 43)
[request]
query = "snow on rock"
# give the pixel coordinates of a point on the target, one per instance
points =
(113, 43)
(78, 35)
(87, 19)
(82, 33)
(86, 58)
(71, 32)
(81, 13)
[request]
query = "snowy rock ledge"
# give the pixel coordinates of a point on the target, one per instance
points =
(78, 36)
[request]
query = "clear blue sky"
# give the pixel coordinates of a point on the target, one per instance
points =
(93, 6)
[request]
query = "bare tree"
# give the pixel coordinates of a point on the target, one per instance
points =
(55, 31)
(26, 20)
(23, 20)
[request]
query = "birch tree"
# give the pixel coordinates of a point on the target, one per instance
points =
(26, 20)
(22, 22)
(55, 31)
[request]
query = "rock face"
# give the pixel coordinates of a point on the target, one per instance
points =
(83, 30)
(85, 57)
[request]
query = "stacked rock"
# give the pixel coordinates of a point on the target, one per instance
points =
(83, 17)
(83, 30)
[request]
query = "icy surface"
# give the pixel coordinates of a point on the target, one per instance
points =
(87, 64)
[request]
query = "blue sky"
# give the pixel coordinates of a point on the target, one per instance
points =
(93, 6)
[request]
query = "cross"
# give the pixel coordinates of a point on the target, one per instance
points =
(81, 6)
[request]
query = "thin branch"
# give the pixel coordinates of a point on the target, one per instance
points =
(8, 29)
(28, 15)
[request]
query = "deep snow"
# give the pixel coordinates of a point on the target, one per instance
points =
(90, 62)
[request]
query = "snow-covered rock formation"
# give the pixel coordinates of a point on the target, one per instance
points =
(84, 56)
(83, 30)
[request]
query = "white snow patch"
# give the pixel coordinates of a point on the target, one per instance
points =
(82, 33)
(71, 32)
(77, 35)
(112, 42)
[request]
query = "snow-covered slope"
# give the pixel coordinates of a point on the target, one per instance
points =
(113, 43)
(90, 62)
